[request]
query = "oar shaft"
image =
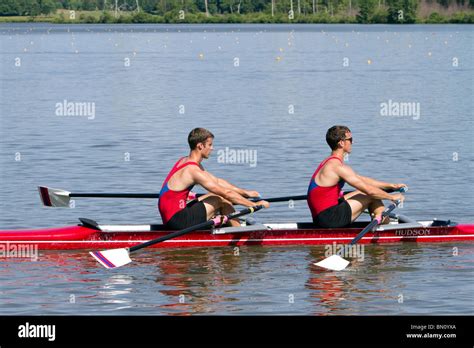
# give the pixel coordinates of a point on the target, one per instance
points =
(157, 195)
(202, 225)
(303, 197)
(368, 228)
(61, 198)
(120, 195)
(280, 199)
(115, 195)
(373, 223)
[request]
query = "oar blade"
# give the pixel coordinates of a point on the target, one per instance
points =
(52, 197)
(334, 263)
(112, 258)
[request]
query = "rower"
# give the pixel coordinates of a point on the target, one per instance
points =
(329, 206)
(179, 208)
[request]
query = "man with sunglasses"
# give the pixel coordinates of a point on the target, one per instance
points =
(329, 206)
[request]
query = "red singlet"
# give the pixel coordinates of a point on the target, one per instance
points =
(170, 201)
(321, 198)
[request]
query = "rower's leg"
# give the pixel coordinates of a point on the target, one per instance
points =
(218, 205)
(360, 202)
(376, 209)
(352, 194)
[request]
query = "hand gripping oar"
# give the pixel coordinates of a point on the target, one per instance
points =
(114, 258)
(336, 262)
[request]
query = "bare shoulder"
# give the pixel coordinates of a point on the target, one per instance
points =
(340, 167)
(334, 163)
(193, 169)
(197, 173)
(345, 171)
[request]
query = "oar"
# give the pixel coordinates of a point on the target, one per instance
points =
(280, 199)
(52, 197)
(304, 197)
(336, 262)
(114, 258)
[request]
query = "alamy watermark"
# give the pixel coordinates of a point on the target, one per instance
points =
(19, 251)
(28, 330)
(68, 108)
(355, 251)
(237, 156)
(400, 109)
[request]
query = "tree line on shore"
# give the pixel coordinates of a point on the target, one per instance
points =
(244, 11)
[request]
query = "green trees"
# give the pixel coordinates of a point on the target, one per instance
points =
(366, 9)
(48, 6)
(27, 7)
(394, 11)
(402, 11)
(9, 8)
(255, 11)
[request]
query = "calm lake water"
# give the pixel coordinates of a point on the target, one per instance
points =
(271, 91)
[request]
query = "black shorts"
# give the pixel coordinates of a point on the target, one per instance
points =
(193, 214)
(336, 216)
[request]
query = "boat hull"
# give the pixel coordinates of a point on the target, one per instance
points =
(81, 237)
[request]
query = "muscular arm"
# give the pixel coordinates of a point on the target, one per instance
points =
(379, 184)
(228, 185)
(220, 188)
(349, 176)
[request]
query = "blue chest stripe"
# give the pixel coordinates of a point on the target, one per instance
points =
(312, 185)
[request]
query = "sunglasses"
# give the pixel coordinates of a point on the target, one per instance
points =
(349, 139)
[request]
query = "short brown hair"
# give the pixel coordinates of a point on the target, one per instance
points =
(335, 134)
(198, 135)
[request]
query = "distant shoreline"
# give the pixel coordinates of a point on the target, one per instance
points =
(109, 17)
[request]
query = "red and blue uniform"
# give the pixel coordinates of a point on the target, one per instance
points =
(321, 198)
(171, 202)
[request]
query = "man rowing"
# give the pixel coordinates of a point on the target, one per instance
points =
(329, 206)
(177, 205)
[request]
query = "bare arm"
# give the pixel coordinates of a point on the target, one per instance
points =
(228, 185)
(209, 182)
(349, 176)
(379, 184)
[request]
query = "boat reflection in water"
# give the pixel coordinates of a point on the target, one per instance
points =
(200, 280)
(250, 280)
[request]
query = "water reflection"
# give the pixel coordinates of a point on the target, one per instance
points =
(201, 280)
(256, 280)
(372, 278)
(115, 290)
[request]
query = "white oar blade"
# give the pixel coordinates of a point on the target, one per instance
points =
(52, 197)
(334, 263)
(112, 258)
